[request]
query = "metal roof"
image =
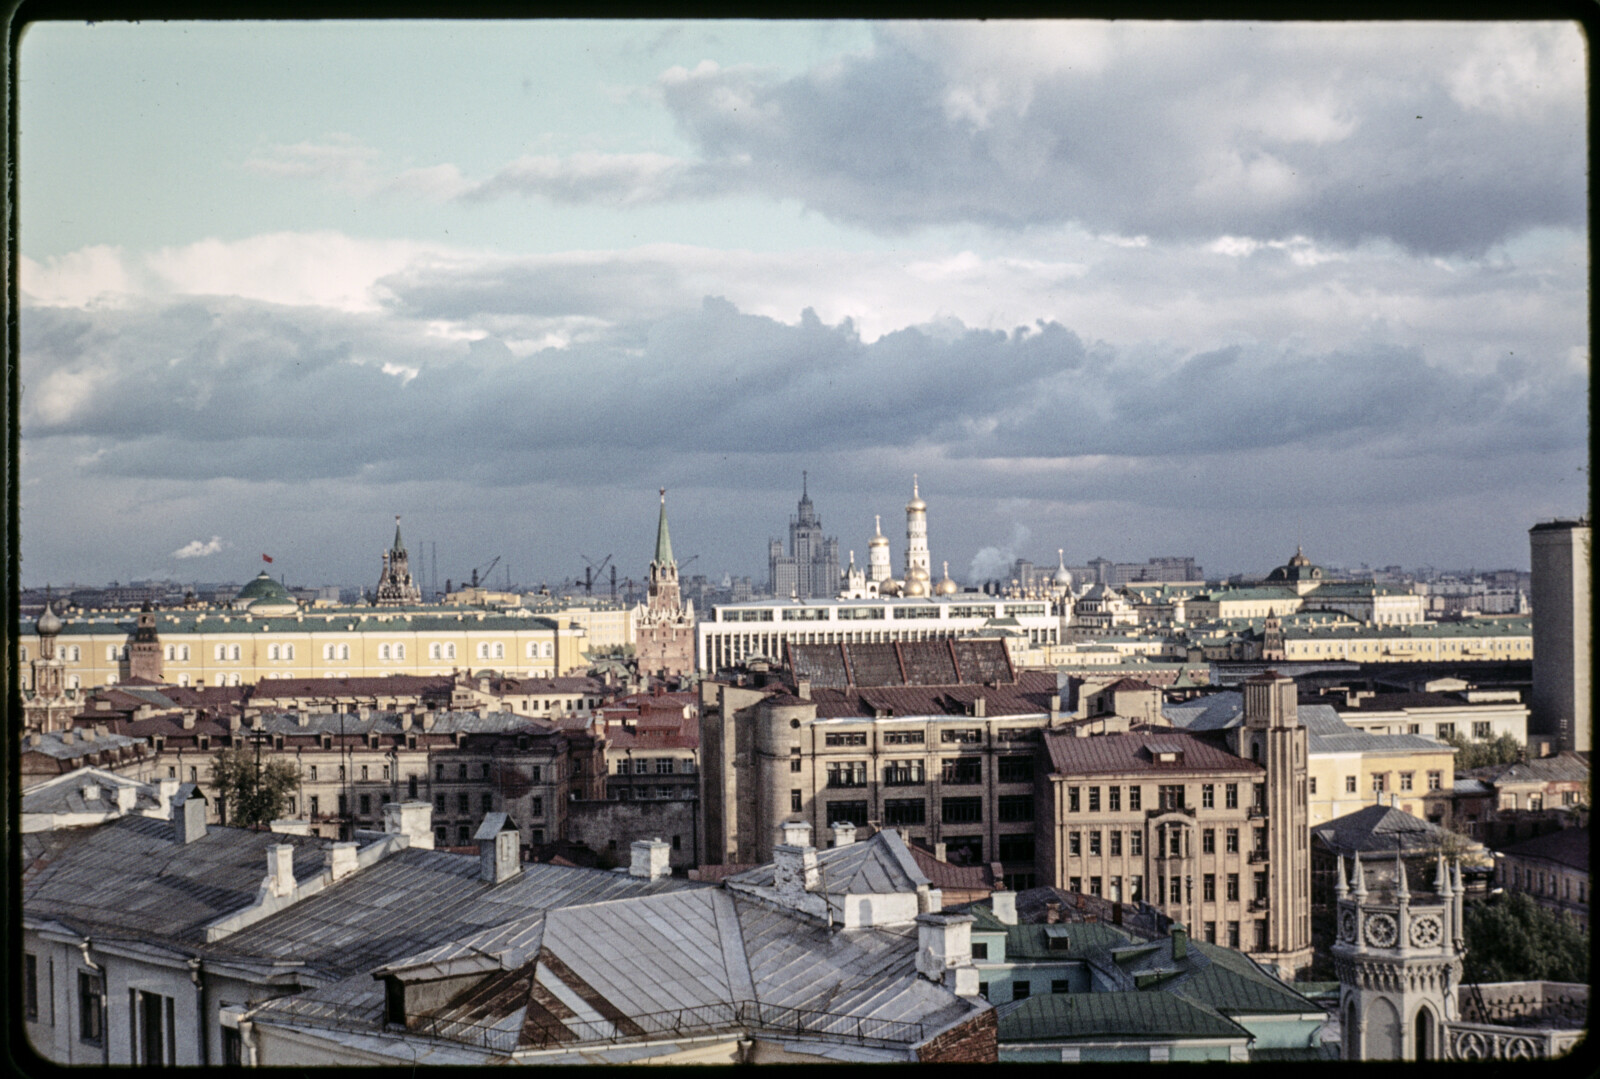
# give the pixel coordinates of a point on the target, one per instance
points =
(1059, 1017)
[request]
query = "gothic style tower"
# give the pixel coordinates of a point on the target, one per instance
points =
(395, 586)
(1398, 957)
(1273, 736)
(49, 709)
(664, 627)
(144, 655)
(878, 553)
(919, 572)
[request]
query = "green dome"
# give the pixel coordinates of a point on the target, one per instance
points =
(265, 595)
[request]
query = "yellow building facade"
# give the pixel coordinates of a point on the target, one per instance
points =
(229, 648)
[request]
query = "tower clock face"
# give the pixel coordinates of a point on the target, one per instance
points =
(1381, 931)
(1425, 932)
(1347, 925)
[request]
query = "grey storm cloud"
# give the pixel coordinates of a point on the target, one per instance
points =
(234, 388)
(1265, 135)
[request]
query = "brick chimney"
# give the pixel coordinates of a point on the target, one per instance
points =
(650, 859)
(1004, 905)
(944, 952)
(188, 814)
(414, 820)
(280, 869)
(127, 796)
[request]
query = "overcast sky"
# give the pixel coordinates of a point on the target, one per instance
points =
(1127, 289)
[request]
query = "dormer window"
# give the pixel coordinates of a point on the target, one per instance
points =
(203, 742)
(327, 741)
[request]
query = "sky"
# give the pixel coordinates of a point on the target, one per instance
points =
(1118, 289)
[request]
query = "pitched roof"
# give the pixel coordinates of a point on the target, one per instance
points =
(943, 662)
(1568, 847)
(1381, 829)
(1133, 752)
(1565, 767)
(878, 865)
(1029, 694)
(1127, 1014)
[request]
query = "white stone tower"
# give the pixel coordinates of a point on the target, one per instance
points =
(919, 567)
(878, 553)
(1398, 957)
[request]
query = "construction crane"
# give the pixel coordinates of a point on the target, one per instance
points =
(592, 571)
(486, 569)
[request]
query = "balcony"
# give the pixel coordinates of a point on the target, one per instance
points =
(1258, 812)
(1257, 857)
(1259, 903)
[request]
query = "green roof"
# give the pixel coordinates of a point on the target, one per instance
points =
(1129, 1014)
(663, 538)
(262, 586)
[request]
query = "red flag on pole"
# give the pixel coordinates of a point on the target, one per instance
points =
(266, 558)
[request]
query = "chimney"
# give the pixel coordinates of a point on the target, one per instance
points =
(256, 722)
(405, 721)
(499, 848)
(650, 859)
(844, 833)
(66, 737)
(302, 719)
(1180, 941)
(427, 720)
(980, 707)
(795, 833)
(1055, 706)
(1004, 905)
(1052, 913)
(166, 790)
(414, 820)
(188, 721)
(802, 688)
(280, 869)
(91, 792)
(794, 865)
(944, 952)
(340, 860)
(87, 733)
(940, 850)
(233, 723)
(189, 814)
(126, 797)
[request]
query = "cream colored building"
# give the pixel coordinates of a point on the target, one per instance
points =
(1336, 636)
(221, 647)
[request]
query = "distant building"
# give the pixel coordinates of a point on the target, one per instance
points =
(1553, 869)
(664, 627)
(811, 568)
(395, 586)
(1562, 642)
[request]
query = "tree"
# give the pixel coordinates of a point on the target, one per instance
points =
(1511, 938)
(251, 791)
(1502, 750)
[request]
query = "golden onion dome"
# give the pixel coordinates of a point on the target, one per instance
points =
(916, 504)
(916, 588)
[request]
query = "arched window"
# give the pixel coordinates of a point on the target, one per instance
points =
(288, 651)
(75, 654)
(220, 652)
(434, 651)
(272, 651)
(499, 650)
(450, 650)
(533, 649)
(399, 651)
(183, 653)
(222, 679)
(183, 679)
(344, 651)
(327, 651)
(233, 653)
(73, 681)
(383, 651)
(233, 679)
(170, 654)
(547, 650)
(483, 649)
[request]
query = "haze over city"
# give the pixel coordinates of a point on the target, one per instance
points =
(1126, 289)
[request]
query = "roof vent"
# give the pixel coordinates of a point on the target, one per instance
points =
(499, 848)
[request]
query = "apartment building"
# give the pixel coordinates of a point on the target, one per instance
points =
(1210, 828)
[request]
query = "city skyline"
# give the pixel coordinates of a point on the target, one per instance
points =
(1125, 289)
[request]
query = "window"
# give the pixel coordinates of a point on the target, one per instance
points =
(499, 651)
(903, 773)
(1405, 781)
(664, 766)
(1233, 935)
(1230, 796)
(1480, 730)
(1020, 990)
(1171, 795)
(1016, 769)
(980, 949)
(1349, 784)
(1313, 781)
(1114, 799)
(794, 801)
(1135, 889)
(961, 810)
(1016, 847)
(463, 803)
(1261, 935)
(1208, 796)
(1136, 843)
(965, 735)
(1261, 885)
(1177, 890)
(1134, 795)
(1116, 844)
(1017, 807)
(1116, 889)
(366, 804)
(1072, 799)
(1435, 780)
(1074, 843)
(903, 738)
(288, 651)
(1379, 782)
(1094, 843)
(962, 771)
(1232, 840)
(845, 738)
(461, 771)
(1094, 799)
(1208, 888)
(847, 774)
(1208, 841)
(90, 1019)
(152, 1028)
(1233, 887)
(854, 812)
(272, 651)
(904, 811)
(1060, 985)
(30, 992)
(434, 652)
(363, 772)
(316, 807)
(1445, 730)
(464, 834)
(795, 763)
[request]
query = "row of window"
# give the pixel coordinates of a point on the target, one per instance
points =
(1176, 840)
(1380, 782)
(659, 766)
(956, 771)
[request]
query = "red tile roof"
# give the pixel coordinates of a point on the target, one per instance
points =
(1202, 754)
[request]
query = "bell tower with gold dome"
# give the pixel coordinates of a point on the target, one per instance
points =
(919, 574)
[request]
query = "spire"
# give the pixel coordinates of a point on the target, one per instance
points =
(1360, 889)
(1401, 891)
(1342, 888)
(663, 539)
(398, 546)
(1441, 878)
